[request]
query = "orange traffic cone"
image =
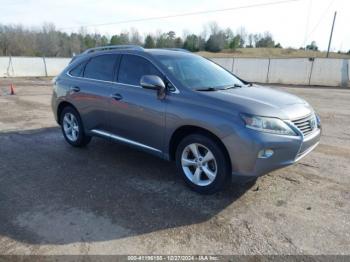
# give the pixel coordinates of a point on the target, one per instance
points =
(12, 89)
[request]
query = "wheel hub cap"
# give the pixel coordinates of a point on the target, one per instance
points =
(199, 164)
(71, 127)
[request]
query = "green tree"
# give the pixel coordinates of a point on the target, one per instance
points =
(171, 35)
(265, 41)
(192, 43)
(228, 37)
(104, 41)
(161, 41)
(149, 42)
(278, 45)
(313, 46)
(250, 41)
(235, 42)
(216, 42)
(170, 39)
(121, 39)
(243, 36)
(178, 43)
(89, 41)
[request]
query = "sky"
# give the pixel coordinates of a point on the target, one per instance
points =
(292, 24)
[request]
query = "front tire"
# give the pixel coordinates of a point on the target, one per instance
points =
(72, 128)
(203, 164)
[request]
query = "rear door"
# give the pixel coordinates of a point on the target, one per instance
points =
(136, 113)
(90, 92)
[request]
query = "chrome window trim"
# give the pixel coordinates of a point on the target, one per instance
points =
(123, 84)
(87, 78)
(177, 91)
(125, 140)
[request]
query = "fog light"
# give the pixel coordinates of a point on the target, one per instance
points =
(265, 153)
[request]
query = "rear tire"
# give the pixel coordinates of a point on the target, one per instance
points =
(72, 128)
(203, 164)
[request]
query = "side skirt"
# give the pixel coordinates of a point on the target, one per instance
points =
(132, 143)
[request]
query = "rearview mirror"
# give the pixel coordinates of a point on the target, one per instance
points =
(155, 83)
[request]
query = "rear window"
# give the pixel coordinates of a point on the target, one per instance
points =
(132, 68)
(101, 67)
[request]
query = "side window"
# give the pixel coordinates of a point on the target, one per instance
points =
(78, 70)
(132, 68)
(101, 67)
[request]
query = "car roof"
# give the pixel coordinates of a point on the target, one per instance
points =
(168, 52)
(131, 49)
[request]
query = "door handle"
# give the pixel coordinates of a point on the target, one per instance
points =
(75, 89)
(117, 97)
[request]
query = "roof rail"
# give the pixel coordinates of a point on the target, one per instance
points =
(178, 49)
(111, 47)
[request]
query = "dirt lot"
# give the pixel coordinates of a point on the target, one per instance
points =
(109, 199)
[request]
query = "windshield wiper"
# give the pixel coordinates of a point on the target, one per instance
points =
(209, 89)
(233, 86)
(219, 88)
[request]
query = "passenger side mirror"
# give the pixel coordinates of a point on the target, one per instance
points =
(155, 83)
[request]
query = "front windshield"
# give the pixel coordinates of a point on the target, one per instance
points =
(196, 72)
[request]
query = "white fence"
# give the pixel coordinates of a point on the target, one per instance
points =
(249, 69)
(32, 66)
(295, 71)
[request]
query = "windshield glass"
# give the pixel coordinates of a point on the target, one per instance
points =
(196, 72)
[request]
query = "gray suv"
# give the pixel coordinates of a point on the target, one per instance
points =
(180, 106)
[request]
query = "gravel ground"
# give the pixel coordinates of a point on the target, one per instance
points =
(110, 199)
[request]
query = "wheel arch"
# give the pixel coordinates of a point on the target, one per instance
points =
(187, 130)
(60, 108)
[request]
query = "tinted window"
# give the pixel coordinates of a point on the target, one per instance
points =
(78, 70)
(132, 68)
(101, 67)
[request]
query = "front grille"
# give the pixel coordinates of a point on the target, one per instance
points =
(306, 125)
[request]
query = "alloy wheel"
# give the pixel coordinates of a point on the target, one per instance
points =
(199, 164)
(71, 127)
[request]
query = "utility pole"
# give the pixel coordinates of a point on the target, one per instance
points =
(330, 38)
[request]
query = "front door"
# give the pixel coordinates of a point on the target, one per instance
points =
(136, 114)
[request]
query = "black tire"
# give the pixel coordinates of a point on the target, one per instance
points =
(82, 139)
(223, 169)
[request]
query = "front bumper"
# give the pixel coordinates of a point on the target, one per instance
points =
(244, 148)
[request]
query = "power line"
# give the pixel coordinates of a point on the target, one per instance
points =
(307, 22)
(184, 14)
(320, 20)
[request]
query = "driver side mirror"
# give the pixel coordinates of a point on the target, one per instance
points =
(155, 83)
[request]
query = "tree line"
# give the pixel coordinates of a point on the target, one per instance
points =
(17, 40)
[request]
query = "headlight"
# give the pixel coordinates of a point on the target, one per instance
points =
(267, 124)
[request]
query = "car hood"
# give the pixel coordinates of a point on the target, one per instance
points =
(264, 101)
